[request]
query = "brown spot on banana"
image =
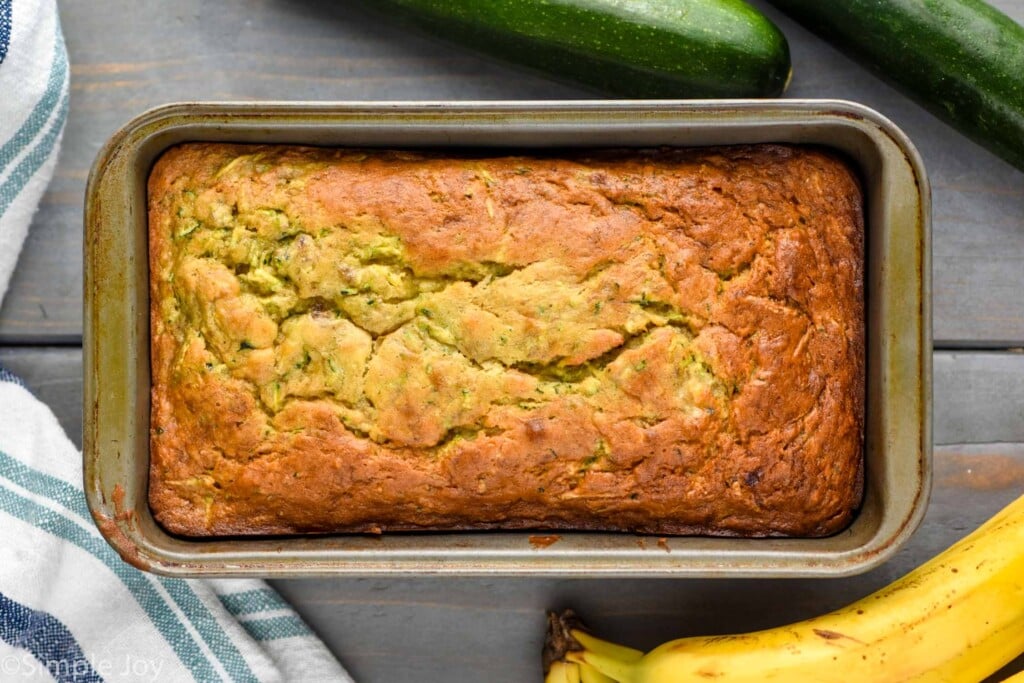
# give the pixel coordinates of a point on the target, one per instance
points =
(834, 635)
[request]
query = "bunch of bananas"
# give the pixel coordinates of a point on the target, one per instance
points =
(958, 617)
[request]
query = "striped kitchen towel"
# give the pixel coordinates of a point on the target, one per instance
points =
(70, 609)
(33, 106)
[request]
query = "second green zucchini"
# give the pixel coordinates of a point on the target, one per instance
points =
(963, 60)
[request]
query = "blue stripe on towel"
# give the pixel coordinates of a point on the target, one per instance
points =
(32, 161)
(48, 640)
(43, 484)
(215, 637)
(5, 28)
(40, 114)
(248, 602)
(200, 616)
(136, 582)
(276, 628)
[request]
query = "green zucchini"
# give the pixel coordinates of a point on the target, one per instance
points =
(963, 60)
(632, 48)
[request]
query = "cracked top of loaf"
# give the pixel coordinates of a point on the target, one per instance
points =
(666, 341)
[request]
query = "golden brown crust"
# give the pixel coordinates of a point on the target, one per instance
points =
(663, 341)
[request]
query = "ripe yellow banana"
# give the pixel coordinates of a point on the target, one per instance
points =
(959, 617)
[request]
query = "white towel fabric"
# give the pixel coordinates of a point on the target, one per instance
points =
(33, 106)
(70, 609)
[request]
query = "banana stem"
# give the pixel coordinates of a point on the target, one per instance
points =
(593, 659)
(559, 641)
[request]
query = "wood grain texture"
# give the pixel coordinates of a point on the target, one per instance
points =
(395, 630)
(978, 397)
(154, 52)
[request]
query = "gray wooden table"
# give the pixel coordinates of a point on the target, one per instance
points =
(128, 55)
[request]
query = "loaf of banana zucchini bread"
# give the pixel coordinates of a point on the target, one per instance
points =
(667, 341)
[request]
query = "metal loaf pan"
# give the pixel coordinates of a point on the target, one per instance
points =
(898, 426)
